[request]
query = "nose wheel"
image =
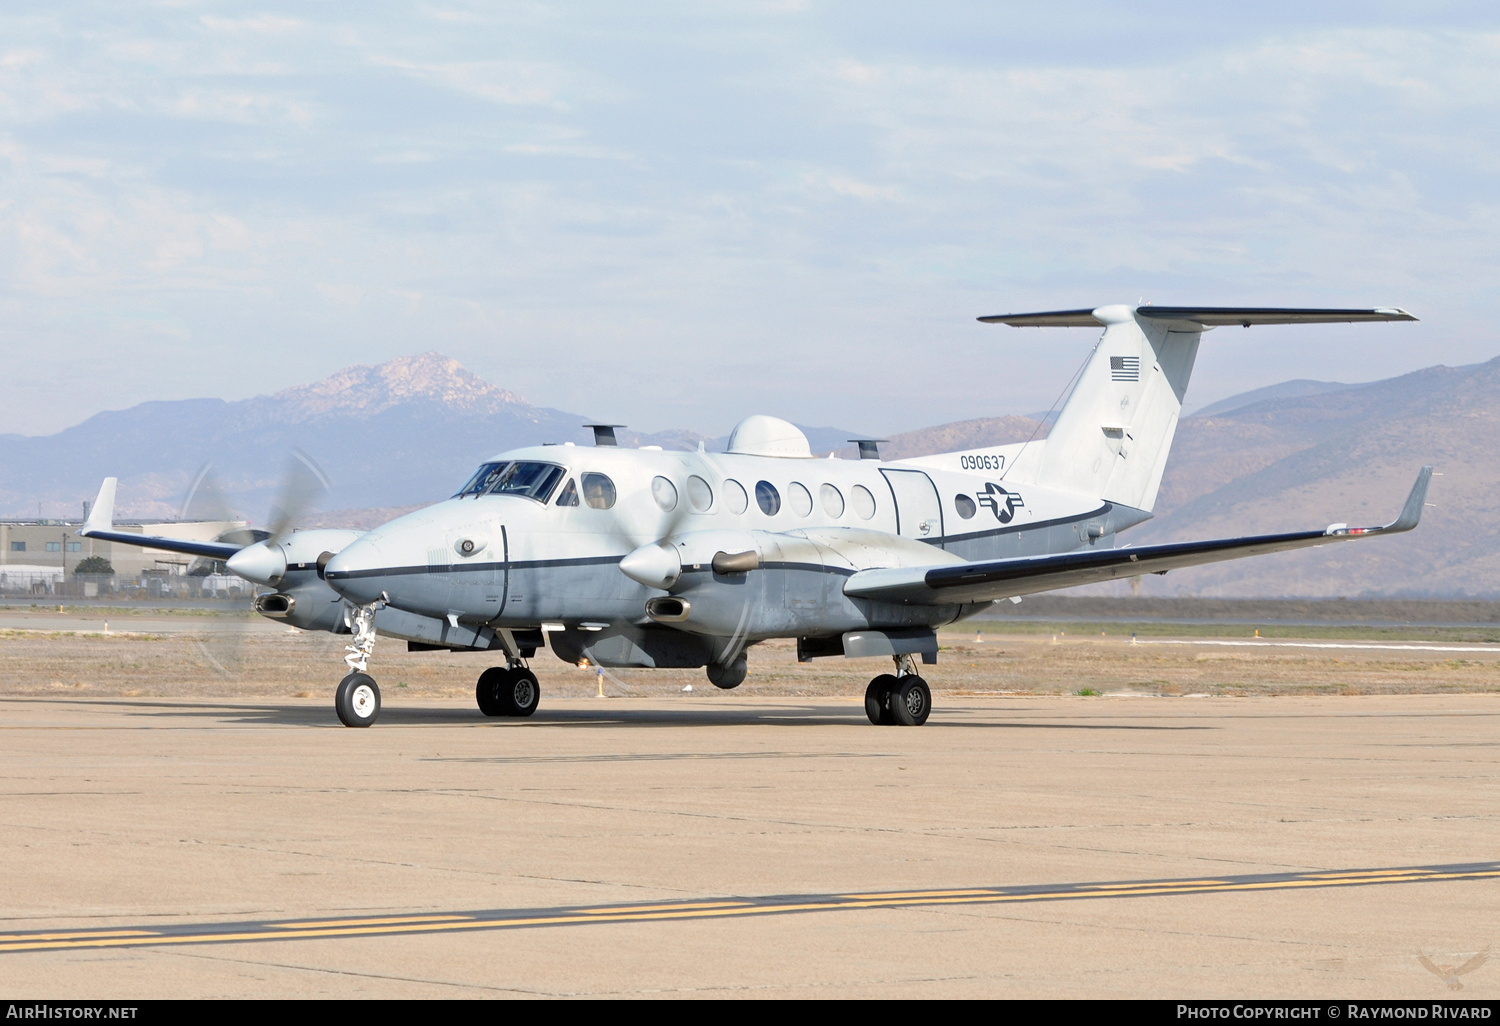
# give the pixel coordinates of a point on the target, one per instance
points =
(357, 700)
(507, 691)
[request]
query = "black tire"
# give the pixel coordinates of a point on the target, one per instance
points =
(726, 677)
(491, 681)
(520, 693)
(878, 699)
(357, 701)
(911, 701)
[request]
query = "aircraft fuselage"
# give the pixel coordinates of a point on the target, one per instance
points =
(516, 561)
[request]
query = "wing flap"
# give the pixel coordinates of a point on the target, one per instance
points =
(987, 581)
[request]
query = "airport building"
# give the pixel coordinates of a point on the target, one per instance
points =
(40, 557)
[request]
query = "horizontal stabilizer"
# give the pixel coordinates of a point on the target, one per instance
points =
(1207, 316)
(986, 581)
(1049, 319)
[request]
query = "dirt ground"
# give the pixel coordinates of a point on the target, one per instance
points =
(206, 656)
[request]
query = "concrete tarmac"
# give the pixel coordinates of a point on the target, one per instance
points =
(1024, 846)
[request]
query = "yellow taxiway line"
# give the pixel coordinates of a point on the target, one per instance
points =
(497, 919)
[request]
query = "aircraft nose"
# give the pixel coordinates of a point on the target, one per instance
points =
(356, 571)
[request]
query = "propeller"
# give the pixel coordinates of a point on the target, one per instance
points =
(658, 564)
(222, 645)
(655, 563)
(261, 561)
(264, 562)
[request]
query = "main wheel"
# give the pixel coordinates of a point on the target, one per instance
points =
(878, 699)
(490, 683)
(911, 701)
(357, 701)
(519, 694)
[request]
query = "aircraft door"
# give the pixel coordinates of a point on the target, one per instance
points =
(919, 511)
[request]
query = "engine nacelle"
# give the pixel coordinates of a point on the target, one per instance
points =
(304, 601)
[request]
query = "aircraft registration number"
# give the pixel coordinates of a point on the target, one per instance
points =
(996, 462)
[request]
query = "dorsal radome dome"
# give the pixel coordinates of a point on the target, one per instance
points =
(768, 436)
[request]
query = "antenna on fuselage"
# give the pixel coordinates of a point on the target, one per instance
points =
(869, 448)
(604, 434)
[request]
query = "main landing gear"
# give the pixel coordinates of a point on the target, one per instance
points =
(507, 691)
(900, 698)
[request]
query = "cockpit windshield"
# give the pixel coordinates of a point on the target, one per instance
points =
(486, 475)
(533, 480)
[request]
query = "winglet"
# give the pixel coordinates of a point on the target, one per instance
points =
(1411, 513)
(102, 512)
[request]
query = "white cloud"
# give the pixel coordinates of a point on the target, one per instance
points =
(508, 82)
(794, 196)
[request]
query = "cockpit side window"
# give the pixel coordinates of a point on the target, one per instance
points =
(569, 496)
(484, 478)
(598, 491)
(533, 480)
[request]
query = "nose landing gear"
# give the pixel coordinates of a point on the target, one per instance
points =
(901, 698)
(507, 691)
(357, 700)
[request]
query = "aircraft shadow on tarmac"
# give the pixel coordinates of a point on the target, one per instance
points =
(773, 714)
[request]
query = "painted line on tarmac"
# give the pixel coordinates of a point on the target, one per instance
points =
(781, 904)
(1262, 643)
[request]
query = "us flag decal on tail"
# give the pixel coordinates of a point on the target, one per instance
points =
(1124, 368)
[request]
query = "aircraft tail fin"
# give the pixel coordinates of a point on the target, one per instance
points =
(1112, 436)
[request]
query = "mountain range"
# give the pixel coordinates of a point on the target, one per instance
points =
(1286, 457)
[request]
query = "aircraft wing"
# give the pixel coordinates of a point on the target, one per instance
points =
(213, 550)
(988, 580)
(100, 524)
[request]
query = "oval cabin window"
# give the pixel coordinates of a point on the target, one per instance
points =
(832, 499)
(598, 491)
(767, 498)
(965, 506)
(665, 493)
(700, 495)
(800, 498)
(863, 502)
(735, 497)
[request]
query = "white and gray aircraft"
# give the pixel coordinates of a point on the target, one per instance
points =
(647, 558)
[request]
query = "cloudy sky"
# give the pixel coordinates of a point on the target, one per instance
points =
(676, 214)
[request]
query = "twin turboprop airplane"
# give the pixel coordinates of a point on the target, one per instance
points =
(646, 558)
